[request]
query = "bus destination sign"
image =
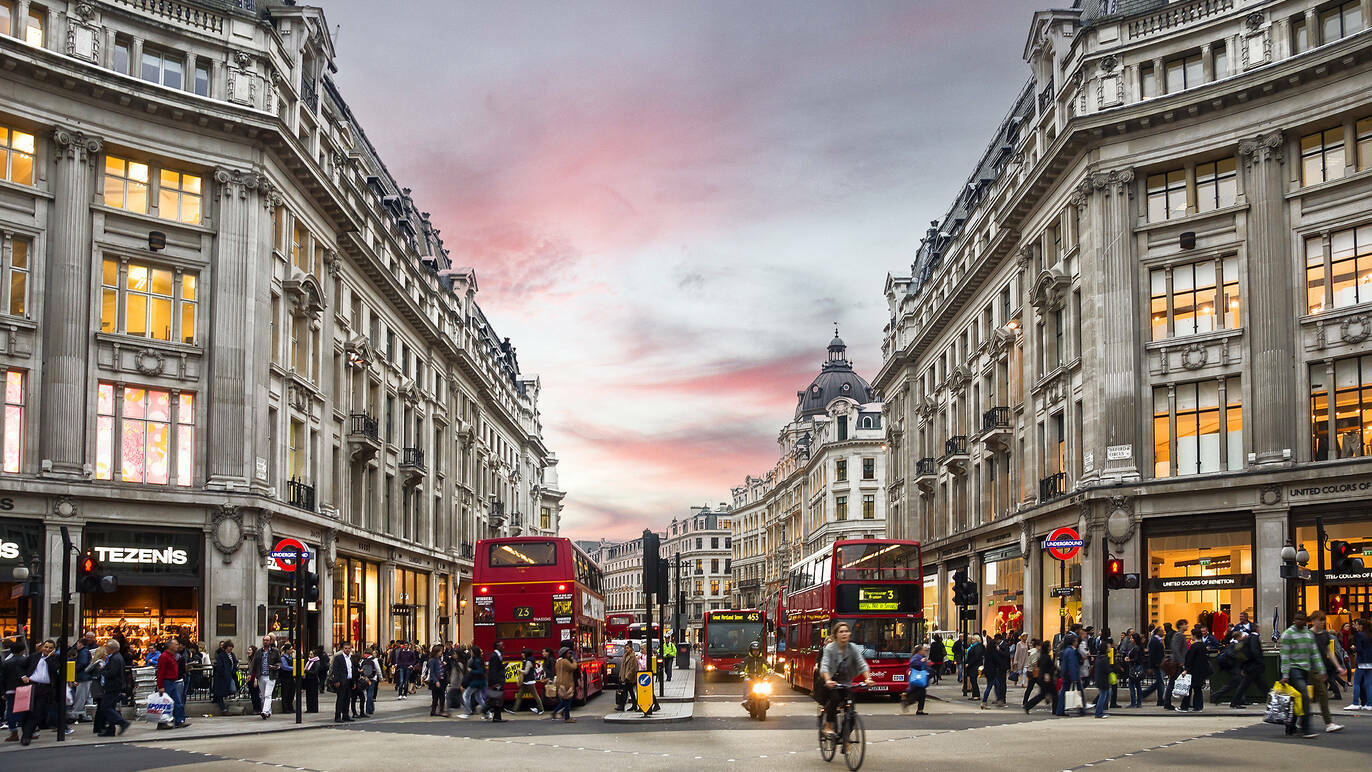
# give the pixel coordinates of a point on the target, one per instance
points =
(736, 616)
(877, 599)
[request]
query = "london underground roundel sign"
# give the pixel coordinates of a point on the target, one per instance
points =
(1063, 543)
(287, 552)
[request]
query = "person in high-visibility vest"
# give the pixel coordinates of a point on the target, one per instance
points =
(669, 654)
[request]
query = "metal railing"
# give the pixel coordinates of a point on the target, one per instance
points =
(1053, 486)
(298, 494)
(466, 550)
(924, 466)
(995, 418)
(1046, 96)
(412, 457)
(363, 424)
(309, 93)
(955, 446)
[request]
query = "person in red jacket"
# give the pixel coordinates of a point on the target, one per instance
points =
(168, 680)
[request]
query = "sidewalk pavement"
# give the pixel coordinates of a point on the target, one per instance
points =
(202, 726)
(949, 690)
(677, 702)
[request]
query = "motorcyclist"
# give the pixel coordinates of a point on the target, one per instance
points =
(754, 667)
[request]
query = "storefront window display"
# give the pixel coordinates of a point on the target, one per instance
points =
(159, 576)
(410, 606)
(1348, 596)
(1002, 591)
(1204, 578)
(932, 619)
(1059, 593)
(356, 602)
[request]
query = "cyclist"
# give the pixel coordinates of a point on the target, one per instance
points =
(841, 662)
(754, 667)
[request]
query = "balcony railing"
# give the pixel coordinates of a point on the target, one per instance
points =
(298, 494)
(955, 446)
(995, 418)
(466, 550)
(363, 424)
(412, 457)
(1053, 486)
(924, 466)
(1046, 97)
(309, 93)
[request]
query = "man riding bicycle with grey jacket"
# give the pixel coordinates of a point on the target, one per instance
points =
(841, 662)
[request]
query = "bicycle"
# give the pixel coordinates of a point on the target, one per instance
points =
(850, 737)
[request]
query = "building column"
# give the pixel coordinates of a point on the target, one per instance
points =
(62, 445)
(1271, 336)
(1033, 585)
(1114, 283)
(1270, 528)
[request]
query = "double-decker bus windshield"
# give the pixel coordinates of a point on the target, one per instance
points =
(866, 562)
(884, 637)
(730, 633)
(524, 553)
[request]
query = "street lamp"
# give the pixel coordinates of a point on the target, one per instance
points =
(26, 574)
(1292, 559)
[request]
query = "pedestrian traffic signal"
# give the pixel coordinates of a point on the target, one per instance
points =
(309, 585)
(1342, 558)
(964, 590)
(91, 578)
(652, 557)
(1114, 574)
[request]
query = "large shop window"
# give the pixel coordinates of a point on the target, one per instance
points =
(1002, 591)
(356, 602)
(1204, 578)
(148, 301)
(1349, 595)
(1206, 418)
(1338, 271)
(148, 424)
(12, 421)
(1346, 430)
(410, 607)
(932, 618)
(20, 541)
(1195, 298)
(1059, 593)
(159, 575)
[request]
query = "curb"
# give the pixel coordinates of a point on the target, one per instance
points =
(632, 718)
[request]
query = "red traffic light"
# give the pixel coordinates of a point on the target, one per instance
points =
(87, 565)
(1114, 574)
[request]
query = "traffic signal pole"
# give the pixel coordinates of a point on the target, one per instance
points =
(65, 632)
(299, 583)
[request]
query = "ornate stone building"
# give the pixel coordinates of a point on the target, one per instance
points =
(828, 483)
(225, 323)
(1143, 318)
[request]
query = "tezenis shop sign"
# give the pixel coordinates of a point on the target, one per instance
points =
(171, 556)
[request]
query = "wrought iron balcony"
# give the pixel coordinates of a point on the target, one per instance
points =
(466, 550)
(926, 471)
(363, 436)
(995, 427)
(955, 454)
(1053, 486)
(309, 93)
(412, 465)
(298, 494)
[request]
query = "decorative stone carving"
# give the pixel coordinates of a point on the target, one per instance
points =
(1254, 21)
(1264, 147)
(1120, 523)
(1109, 63)
(65, 506)
(271, 194)
(408, 391)
(264, 532)
(71, 144)
(241, 79)
(928, 407)
(959, 377)
(1194, 356)
(1050, 290)
(360, 352)
(1355, 329)
(83, 35)
(236, 181)
(305, 295)
(1117, 182)
(332, 263)
(149, 361)
(226, 529)
(1270, 494)
(1081, 194)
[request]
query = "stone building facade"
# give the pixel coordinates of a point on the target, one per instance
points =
(1143, 318)
(225, 324)
(828, 483)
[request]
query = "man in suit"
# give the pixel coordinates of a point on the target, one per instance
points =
(43, 671)
(113, 683)
(341, 676)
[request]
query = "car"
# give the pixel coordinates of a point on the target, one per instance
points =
(614, 660)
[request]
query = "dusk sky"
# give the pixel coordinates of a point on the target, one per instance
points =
(669, 204)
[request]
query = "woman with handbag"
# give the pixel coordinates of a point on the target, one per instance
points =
(1103, 674)
(565, 683)
(1044, 674)
(1197, 663)
(225, 677)
(437, 677)
(917, 682)
(1134, 660)
(474, 682)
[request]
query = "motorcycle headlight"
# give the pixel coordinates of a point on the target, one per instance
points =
(762, 687)
(709, 667)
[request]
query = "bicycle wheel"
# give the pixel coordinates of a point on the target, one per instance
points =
(827, 746)
(856, 748)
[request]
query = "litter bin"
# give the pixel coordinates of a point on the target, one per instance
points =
(683, 656)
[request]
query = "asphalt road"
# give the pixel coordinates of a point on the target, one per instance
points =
(955, 736)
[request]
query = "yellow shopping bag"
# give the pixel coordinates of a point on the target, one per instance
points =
(1297, 699)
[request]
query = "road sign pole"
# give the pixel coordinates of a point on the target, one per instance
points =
(299, 630)
(66, 636)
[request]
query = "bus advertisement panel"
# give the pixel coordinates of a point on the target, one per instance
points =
(534, 592)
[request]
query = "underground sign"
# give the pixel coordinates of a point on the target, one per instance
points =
(1063, 543)
(287, 551)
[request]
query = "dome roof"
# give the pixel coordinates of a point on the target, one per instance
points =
(836, 379)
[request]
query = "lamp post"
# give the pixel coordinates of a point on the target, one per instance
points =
(29, 575)
(1292, 559)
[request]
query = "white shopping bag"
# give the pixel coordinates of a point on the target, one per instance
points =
(158, 708)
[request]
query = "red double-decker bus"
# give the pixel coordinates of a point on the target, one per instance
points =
(617, 626)
(538, 592)
(726, 635)
(877, 586)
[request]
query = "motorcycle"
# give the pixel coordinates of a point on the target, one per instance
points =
(757, 697)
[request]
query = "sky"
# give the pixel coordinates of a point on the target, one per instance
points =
(669, 205)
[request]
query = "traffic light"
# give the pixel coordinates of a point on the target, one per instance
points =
(964, 590)
(1342, 560)
(309, 585)
(651, 561)
(1114, 574)
(91, 578)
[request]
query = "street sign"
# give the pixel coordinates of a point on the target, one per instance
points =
(288, 553)
(1063, 543)
(644, 688)
(1065, 592)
